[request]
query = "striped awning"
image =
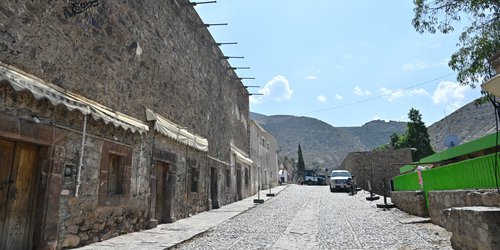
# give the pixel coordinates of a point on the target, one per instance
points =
(176, 132)
(56, 95)
(241, 155)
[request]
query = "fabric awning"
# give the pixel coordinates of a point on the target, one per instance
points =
(492, 85)
(241, 155)
(56, 95)
(176, 132)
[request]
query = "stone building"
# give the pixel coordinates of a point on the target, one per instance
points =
(114, 116)
(263, 152)
(371, 168)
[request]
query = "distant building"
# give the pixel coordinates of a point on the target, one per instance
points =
(263, 151)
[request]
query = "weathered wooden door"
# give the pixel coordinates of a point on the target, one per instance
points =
(163, 193)
(239, 192)
(214, 190)
(18, 163)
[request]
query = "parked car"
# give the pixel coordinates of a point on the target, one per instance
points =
(338, 180)
(321, 180)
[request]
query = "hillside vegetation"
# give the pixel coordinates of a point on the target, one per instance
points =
(325, 146)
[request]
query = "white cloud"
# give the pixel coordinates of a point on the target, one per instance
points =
(311, 77)
(277, 89)
(321, 98)
(338, 97)
(399, 93)
(420, 65)
(415, 65)
(451, 94)
(360, 92)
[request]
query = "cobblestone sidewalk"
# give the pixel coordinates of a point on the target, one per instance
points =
(169, 235)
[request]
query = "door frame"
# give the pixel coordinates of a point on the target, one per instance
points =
(32, 195)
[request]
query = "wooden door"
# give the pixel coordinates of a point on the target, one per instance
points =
(238, 183)
(163, 193)
(18, 194)
(6, 159)
(214, 190)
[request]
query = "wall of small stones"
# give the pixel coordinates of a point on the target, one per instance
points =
(474, 227)
(131, 55)
(439, 201)
(127, 55)
(383, 164)
(412, 202)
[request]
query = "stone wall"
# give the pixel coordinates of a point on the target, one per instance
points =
(132, 55)
(62, 219)
(439, 201)
(474, 227)
(412, 202)
(383, 165)
(129, 56)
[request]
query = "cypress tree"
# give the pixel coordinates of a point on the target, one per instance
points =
(301, 166)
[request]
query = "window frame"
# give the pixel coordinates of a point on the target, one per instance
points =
(124, 154)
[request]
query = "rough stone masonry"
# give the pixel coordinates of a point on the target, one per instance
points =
(127, 56)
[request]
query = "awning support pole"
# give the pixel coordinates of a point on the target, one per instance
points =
(80, 164)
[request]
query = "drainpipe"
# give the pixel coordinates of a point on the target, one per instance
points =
(80, 165)
(137, 180)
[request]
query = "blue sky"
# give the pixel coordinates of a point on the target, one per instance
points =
(343, 62)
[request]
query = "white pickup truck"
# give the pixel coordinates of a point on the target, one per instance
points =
(338, 180)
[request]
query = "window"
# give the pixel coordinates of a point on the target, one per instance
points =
(115, 174)
(194, 179)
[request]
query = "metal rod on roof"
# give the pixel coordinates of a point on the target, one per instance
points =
(196, 3)
(255, 94)
(219, 44)
(250, 86)
(228, 57)
(233, 68)
(213, 24)
(243, 78)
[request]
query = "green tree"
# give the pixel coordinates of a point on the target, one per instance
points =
(301, 166)
(394, 140)
(416, 136)
(478, 42)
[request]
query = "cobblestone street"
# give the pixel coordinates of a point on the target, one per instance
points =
(311, 217)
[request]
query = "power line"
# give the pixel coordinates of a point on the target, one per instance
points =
(374, 97)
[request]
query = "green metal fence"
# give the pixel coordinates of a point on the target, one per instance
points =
(406, 182)
(477, 173)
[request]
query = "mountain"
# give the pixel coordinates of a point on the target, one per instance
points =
(322, 144)
(467, 123)
(326, 146)
(375, 133)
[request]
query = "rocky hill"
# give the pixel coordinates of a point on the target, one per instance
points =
(467, 123)
(322, 144)
(326, 146)
(373, 134)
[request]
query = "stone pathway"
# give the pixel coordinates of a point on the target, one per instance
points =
(311, 217)
(299, 217)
